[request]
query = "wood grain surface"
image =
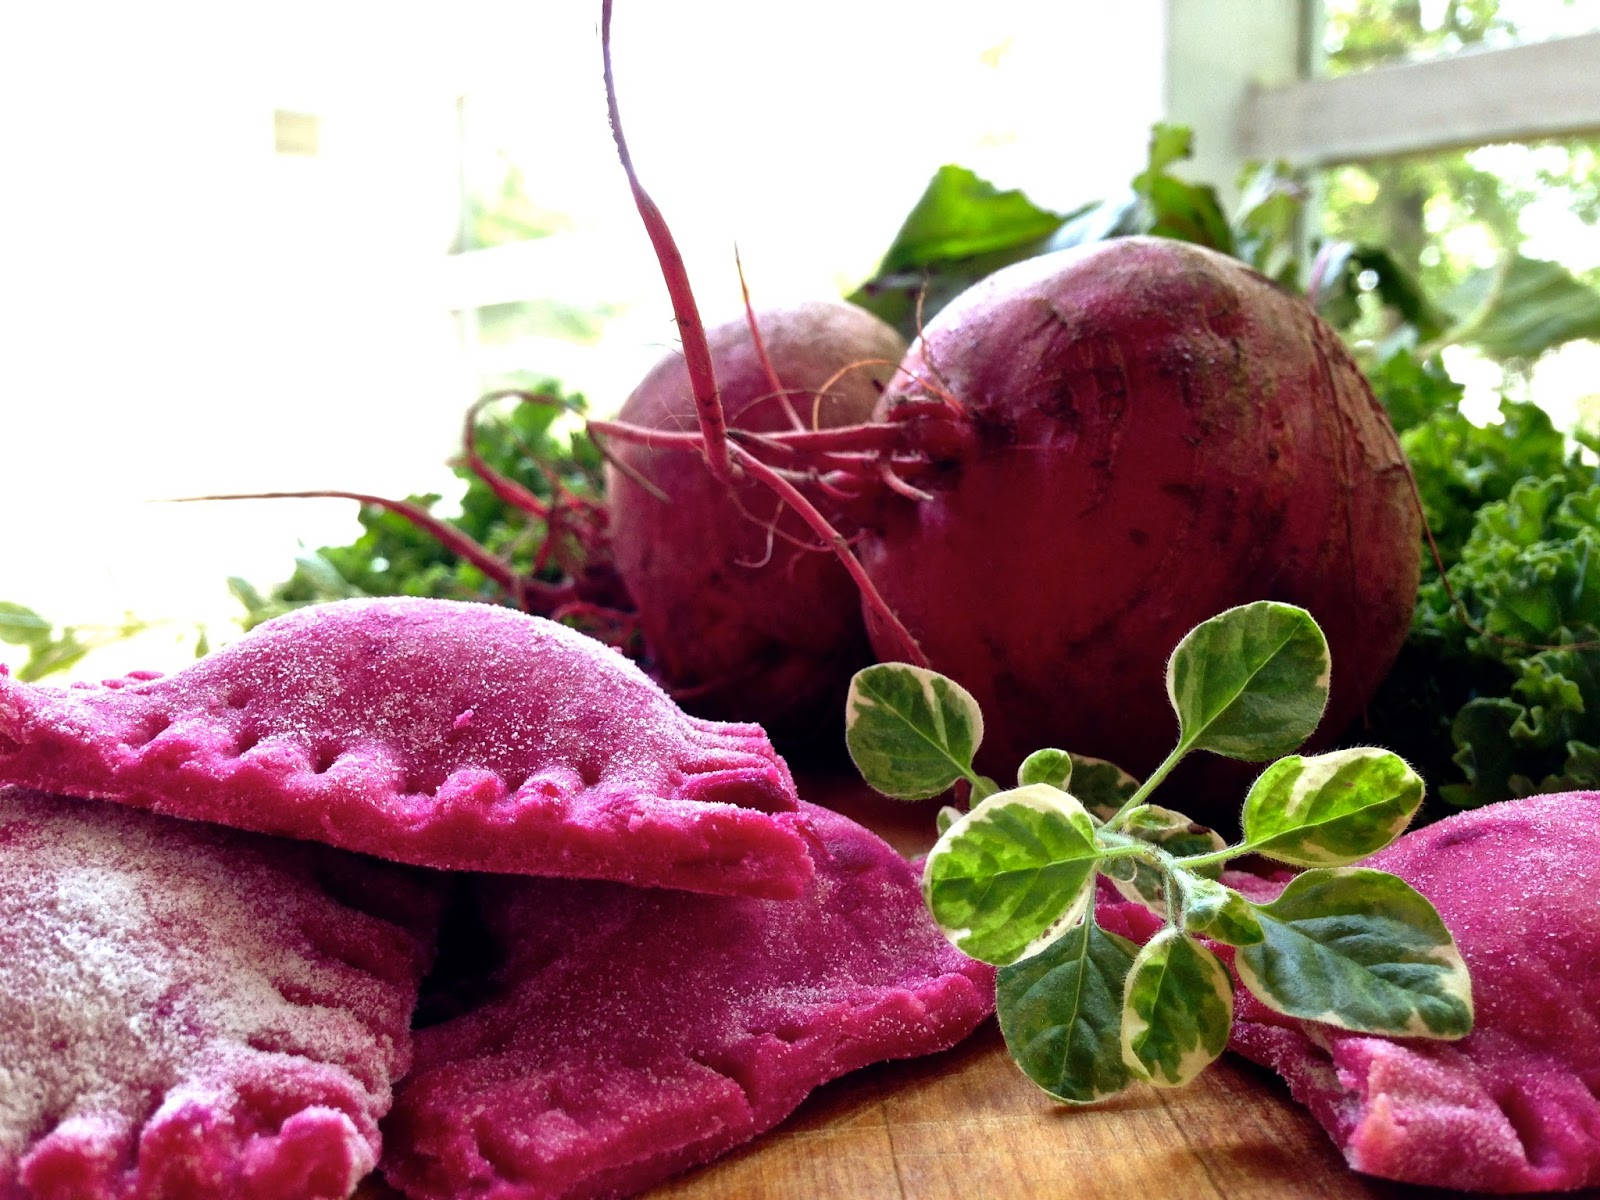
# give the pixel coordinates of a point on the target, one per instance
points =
(965, 1125)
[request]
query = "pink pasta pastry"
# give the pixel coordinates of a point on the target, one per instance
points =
(1512, 1107)
(632, 1033)
(187, 1011)
(432, 732)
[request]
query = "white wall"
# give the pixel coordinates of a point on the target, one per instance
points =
(186, 311)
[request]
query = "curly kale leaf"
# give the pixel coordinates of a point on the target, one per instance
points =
(1529, 576)
(1460, 466)
(1514, 510)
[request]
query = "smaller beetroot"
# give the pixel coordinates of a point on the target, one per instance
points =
(741, 617)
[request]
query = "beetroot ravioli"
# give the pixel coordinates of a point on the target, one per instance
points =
(1513, 1106)
(635, 1033)
(434, 732)
(189, 1012)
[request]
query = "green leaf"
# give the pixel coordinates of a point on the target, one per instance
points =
(1346, 269)
(1250, 683)
(1100, 786)
(911, 732)
(1177, 1010)
(1061, 1013)
(1267, 221)
(946, 817)
(1169, 831)
(1013, 874)
(1173, 832)
(962, 229)
(1361, 950)
(961, 215)
(1173, 207)
(1053, 767)
(1523, 307)
(982, 788)
(1213, 910)
(1484, 732)
(48, 658)
(1330, 809)
(1169, 143)
(22, 626)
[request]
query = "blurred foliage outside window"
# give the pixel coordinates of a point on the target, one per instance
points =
(1452, 220)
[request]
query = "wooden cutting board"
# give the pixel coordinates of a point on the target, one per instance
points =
(967, 1125)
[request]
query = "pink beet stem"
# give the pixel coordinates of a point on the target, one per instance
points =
(696, 350)
(507, 491)
(451, 538)
(841, 439)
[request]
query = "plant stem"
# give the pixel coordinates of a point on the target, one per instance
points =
(696, 350)
(1190, 862)
(1148, 786)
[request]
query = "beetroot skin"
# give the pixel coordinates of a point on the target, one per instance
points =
(738, 623)
(1150, 433)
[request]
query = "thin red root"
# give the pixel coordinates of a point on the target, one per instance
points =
(873, 436)
(696, 350)
(828, 383)
(947, 398)
(624, 467)
(660, 439)
(899, 486)
(905, 646)
(773, 381)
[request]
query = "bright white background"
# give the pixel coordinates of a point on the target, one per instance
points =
(185, 311)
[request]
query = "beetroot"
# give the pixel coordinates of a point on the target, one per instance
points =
(1128, 438)
(740, 613)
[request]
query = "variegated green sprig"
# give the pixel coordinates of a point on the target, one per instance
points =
(1011, 881)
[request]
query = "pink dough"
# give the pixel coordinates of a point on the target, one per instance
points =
(189, 1012)
(635, 1033)
(433, 732)
(1512, 1107)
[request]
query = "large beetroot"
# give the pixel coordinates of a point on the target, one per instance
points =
(740, 610)
(1134, 436)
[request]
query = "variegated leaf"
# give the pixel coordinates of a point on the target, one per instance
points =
(911, 732)
(1212, 910)
(1362, 950)
(1061, 1013)
(1330, 809)
(1170, 831)
(1250, 683)
(1012, 875)
(1046, 766)
(1102, 787)
(1177, 1010)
